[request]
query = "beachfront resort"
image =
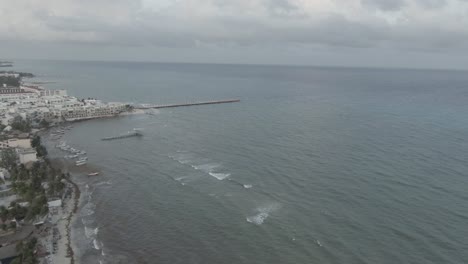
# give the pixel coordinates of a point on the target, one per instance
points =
(37, 197)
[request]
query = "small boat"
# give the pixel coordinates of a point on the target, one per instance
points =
(93, 174)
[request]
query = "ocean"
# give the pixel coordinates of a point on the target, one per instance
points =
(314, 165)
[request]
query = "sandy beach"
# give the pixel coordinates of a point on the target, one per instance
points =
(58, 241)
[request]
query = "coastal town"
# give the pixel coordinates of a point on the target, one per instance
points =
(37, 196)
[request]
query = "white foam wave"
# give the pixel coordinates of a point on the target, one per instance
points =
(103, 183)
(182, 158)
(209, 167)
(91, 232)
(220, 176)
(184, 161)
(88, 209)
(96, 244)
(258, 219)
(180, 178)
(262, 214)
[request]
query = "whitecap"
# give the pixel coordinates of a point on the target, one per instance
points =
(209, 167)
(262, 214)
(258, 219)
(90, 232)
(88, 209)
(220, 176)
(180, 178)
(103, 183)
(96, 244)
(182, 158)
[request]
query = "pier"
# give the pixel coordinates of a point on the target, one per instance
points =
(186, 104)
(134, 133)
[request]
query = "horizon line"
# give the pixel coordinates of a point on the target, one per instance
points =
(369, 67)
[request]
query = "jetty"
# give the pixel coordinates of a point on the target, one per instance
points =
(150, 106)
(133, 133)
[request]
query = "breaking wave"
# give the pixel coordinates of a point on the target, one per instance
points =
(262, 214)
(182, 158)
(209, 167)
(220, 176)
(97, 244)
(103, 183)
(88, 209)
(91, 232)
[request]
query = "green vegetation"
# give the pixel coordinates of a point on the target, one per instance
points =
(8, 159)
(40, 149)
(27, 252)
(23, 125)
(129, 107)
(44, 124)
(14, 211)
(10, 81)
(33, 185)
(28, 184)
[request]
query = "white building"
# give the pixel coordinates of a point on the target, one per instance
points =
(7, 74)
(54, 203)
(53, 92)
(16, 143)
(93, 111)
(26, 155)
(4, 174)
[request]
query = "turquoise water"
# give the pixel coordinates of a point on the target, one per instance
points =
(314, 165)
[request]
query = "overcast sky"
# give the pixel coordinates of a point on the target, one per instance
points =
(394, 33)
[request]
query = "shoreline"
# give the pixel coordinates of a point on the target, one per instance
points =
(62, 229)
(71, 220)
(66, 238)
(68, 227)
(67, 216)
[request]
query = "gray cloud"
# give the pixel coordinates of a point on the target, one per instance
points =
(386, 5)
(424, 25)
(432, 3)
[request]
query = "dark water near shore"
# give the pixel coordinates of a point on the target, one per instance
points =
(315, 165)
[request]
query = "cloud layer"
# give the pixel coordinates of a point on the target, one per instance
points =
(426, 25)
